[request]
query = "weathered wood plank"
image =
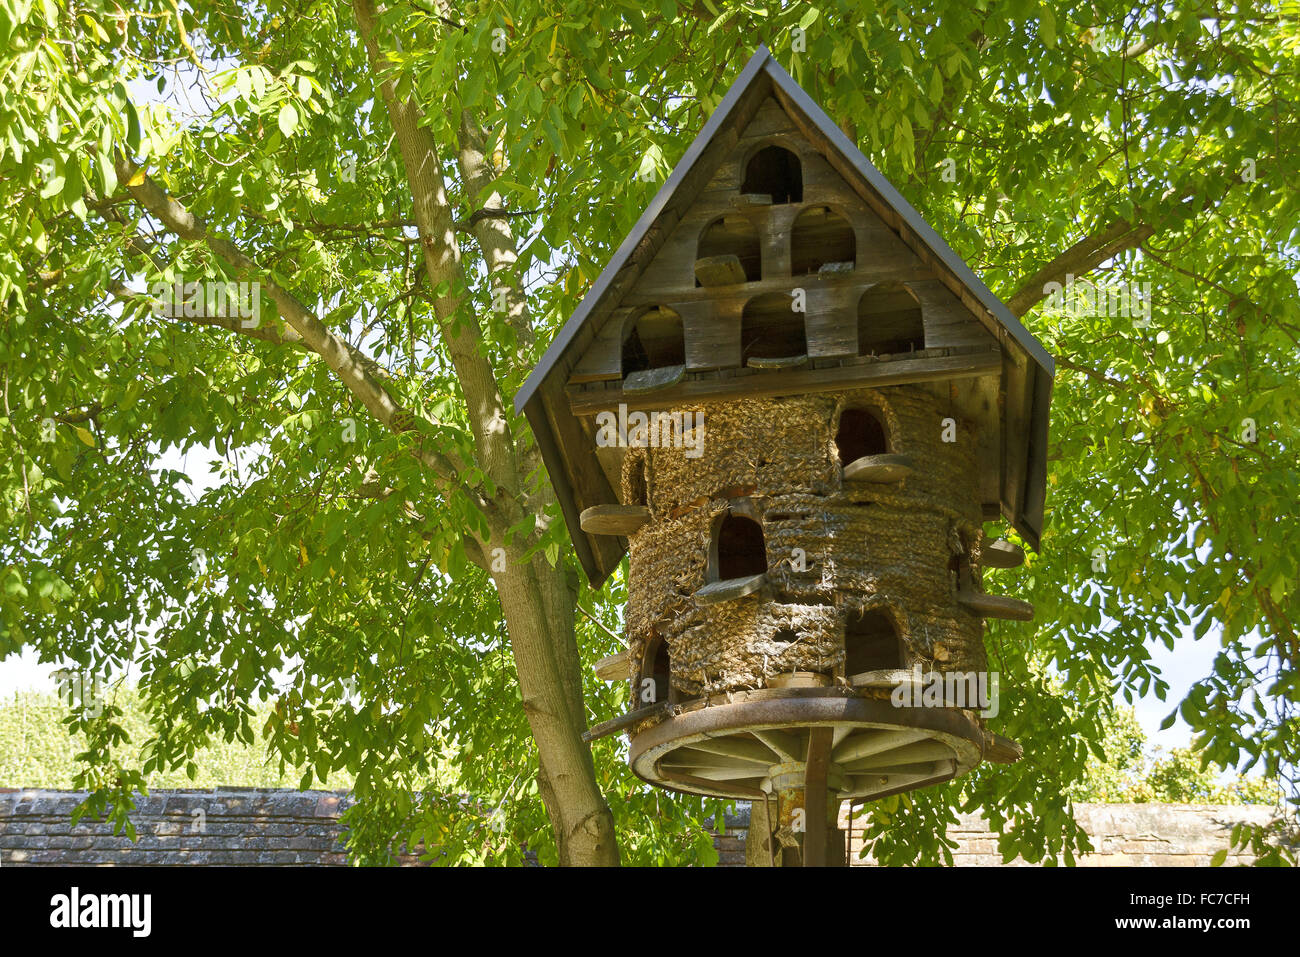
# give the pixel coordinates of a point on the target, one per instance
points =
(882, 678)
(873, 374)
(1015, 435)
(929, 750)
(770, 118)
(613, 667)
(613, 519)
(873, 784)
(830, 319)
(698, 754)
(586, 485)
(1002, 554)
(611, 458)
(712, 329)
(731, 747)
(874, 742)
(947, 321)
(614, 725)
(776, 278)
(711, 774)
(785, 746)
(1001, 750)
(816, 797)
(724, 270)
(653, 380)
(776, 362)
(603, 356)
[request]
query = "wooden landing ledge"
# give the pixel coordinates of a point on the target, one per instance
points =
(1001, 750)
(867, 373)
(884, 678)
(996, 606)
(613, 668)
(724, 270)
(1003, 554)
(730, 589)
(613, 519)
(779, 362)
(882, 469)
(614, 725)
(653, 380)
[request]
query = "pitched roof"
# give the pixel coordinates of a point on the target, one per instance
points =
(542, 398)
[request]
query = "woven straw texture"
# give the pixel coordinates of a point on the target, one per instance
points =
(833, 548)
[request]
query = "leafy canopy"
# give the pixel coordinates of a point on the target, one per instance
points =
(319, 569)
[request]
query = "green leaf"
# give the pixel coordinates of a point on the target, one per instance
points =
(288, 119)
(1047, 25)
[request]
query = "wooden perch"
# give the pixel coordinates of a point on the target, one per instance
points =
(650, 380)
(1003, 554)
(882, 678)
(996, 606)
(834, 268)
(730, 589)
(779, 362)
(613, 668)
(613, 519)
(1001, 750)
(724, 270)
(878, 469)
(614, 725)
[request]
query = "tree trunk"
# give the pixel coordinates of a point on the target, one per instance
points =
(536, 600)
(546, 658)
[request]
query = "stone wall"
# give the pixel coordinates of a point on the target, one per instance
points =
(258, 827)
(1123, 835)
(265, 827)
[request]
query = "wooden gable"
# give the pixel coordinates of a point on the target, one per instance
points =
(735, 222)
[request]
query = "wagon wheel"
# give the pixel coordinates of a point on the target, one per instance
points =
(806, 752)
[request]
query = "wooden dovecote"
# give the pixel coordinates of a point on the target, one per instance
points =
(794, 407)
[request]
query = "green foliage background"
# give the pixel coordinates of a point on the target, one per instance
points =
(1065, 123)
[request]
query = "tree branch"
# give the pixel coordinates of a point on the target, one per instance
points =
(1083, 257)
(352, 366)
(459, 328)
(1093, 250)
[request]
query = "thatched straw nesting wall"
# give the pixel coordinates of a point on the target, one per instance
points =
(865, 546)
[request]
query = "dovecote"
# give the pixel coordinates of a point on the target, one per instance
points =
(794, 408)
